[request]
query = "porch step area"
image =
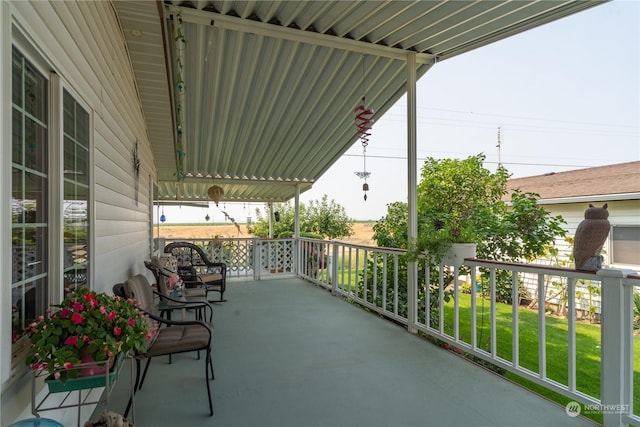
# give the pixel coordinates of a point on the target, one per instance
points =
(288, 353)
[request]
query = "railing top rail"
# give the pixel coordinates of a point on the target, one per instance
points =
(370, 247)
(633, 278)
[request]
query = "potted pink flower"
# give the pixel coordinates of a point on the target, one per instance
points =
(86, 327)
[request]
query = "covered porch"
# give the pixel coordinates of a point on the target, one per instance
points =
(289, 353)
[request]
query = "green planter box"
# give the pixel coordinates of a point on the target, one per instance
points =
(83, 383)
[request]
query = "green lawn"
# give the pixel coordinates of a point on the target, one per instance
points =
(556, 330)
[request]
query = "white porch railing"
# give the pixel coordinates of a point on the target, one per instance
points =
(458, 303)
(275, 256)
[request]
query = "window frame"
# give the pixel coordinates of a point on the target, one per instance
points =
(55, 139)
(613, 246)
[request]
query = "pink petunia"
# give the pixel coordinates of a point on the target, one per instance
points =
(39, 366)
(131, 322)
(67, 365)
(111, 315)
(78, 306)
(73, 340)
(65, 312)
(86, 338)
(76, 318)
(117, 331)
(88, 296)
(103, 310)
(93, 303)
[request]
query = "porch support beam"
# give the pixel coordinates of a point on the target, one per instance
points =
(296, 232)
(235, 23)
(412, 225)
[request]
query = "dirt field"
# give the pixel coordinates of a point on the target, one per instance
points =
(362, 232)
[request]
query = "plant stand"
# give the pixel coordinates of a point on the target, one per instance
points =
(82, 386)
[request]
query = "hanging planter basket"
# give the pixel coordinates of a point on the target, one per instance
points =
(456, 254)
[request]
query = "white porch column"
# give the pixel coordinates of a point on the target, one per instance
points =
(412, 226)
(297, 207)
(616, 373)
(296, 233)
(270, 220)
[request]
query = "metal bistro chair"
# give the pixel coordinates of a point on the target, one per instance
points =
(195, 268)
(176, 337)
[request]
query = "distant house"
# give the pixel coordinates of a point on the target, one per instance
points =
(570, 193)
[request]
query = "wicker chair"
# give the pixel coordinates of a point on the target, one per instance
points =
(192, 298)
(177, 337)
(194, 267)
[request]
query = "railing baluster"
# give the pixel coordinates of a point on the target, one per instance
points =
(456, 304)
(571, 331)
(474, 319)
(515, 311)
(494, 341)
(542, 367)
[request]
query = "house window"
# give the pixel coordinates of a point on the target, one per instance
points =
(76, 192)
(625, 245)
(29, 190)
(42, 161)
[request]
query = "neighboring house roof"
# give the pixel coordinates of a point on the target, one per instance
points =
(612, 182)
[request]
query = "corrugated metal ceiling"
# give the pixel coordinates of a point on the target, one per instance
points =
(270, 87)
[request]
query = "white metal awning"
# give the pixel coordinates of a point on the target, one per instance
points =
(270, 87)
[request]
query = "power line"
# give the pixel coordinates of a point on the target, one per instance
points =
(525, 118)
(486, 161)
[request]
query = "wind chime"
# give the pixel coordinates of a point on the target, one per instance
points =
(363, 122)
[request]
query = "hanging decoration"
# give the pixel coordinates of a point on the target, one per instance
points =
(136, 169)
(180, 88)
(162, 217)
(215, 193)
(363, 122)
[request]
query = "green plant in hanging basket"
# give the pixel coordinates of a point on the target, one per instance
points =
(86, 325)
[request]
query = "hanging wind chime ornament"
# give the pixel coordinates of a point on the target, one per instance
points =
(363, 121)
(215, 193)
(162, 217)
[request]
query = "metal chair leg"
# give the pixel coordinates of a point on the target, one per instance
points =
(206, 374)
(144, 375)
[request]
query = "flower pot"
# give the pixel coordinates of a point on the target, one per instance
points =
(85, 382)
(90, 367)
(456, 254)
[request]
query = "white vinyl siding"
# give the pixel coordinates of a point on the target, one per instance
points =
(81, 43)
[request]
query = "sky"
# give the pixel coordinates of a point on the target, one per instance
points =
(564, 96)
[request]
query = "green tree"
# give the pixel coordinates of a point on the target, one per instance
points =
(285, 225)
(322, 218)
(326, 218)
(460, 199)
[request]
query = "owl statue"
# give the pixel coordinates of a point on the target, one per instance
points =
(590, 237)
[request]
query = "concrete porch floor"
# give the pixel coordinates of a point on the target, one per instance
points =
(288, 353)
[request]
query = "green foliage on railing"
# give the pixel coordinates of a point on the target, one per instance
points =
(460, 199)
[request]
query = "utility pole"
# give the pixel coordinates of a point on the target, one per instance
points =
(499, 149)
